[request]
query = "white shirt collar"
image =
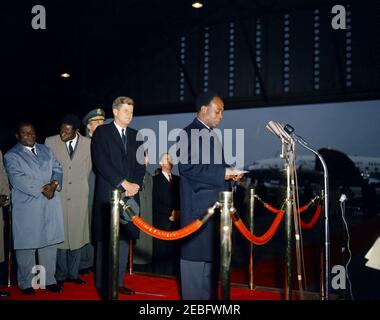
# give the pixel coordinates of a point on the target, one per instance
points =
(119, 128)
(30, 148)
(204, 123)
(74, 142)
(166, 175)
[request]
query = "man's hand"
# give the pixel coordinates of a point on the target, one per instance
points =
(3, 200)
(234, 174)
(131, 189)
(174, 216)
(49, 189)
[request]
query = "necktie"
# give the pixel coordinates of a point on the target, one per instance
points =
(170, 178)
(71, 150)
(124, 138)
(34, 151)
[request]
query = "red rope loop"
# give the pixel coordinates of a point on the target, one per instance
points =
(276, 211)
(271, 209)
(258, 240)
(166, 235)
(313, 221)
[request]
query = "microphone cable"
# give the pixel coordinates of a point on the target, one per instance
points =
(342, 200)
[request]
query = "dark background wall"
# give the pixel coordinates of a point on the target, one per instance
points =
(163, 53)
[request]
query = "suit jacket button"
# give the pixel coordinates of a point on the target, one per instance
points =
(70, 182)
(68, 199)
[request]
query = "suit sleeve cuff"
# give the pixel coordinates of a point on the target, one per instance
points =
(120, 187)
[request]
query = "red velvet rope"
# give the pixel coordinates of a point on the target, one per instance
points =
(166, 235)
(270, 208)
(274, 210)
(304, 208)
(313, 221)
(239, 224)
(305, 226)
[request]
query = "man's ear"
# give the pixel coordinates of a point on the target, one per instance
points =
(114, 111)
(17, 136)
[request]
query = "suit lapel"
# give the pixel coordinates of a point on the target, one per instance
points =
(116, 136)
(31, 160)
(28, 155)
(164, 180)
(76, 149)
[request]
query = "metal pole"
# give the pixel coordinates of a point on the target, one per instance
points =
(251, 228)
(327, 231)
(225, 246)
(321, 263)
(9, 245)
(130, 256)
(114, 246)
(288, 235)
(326, 253)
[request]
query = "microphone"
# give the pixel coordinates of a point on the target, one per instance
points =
(288, 128)
(278, 129)
(343, 198)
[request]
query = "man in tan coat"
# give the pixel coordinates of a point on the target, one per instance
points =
(91, 121)
(72, 150)
(4, 200)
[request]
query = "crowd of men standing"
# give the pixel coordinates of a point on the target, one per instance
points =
(61, 190)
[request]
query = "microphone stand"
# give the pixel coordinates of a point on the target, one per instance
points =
(325, 286)
(287, 153)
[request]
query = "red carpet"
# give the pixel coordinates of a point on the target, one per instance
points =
(147, 288)
(268, 273)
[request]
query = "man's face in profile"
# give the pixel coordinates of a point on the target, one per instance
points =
(212, 115)
(92, 125)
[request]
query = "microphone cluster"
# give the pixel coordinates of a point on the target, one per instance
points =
(281, 131)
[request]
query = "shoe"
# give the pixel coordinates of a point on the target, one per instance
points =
(60, 283)
(76, 281)
(125, 290)
(55, 288)
(28, 291)
(4, 294)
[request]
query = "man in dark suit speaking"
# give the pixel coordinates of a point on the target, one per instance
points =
(203, 174)
(114, 148)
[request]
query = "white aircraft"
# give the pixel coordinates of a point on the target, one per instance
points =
(366, 165)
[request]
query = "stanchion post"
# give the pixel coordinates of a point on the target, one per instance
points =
(251, 228)
(130, 256)
(322, 277)
(225, 245)
(114, 246)
(288, 234)
(9, 280)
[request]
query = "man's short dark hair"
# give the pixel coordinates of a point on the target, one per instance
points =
(71, 120)
(23, 123)
(119, 101)
(204, 99)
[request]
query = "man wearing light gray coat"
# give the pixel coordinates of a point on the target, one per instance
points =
(73, 151)
(35, 175)
(4, 196)
(4, 201)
